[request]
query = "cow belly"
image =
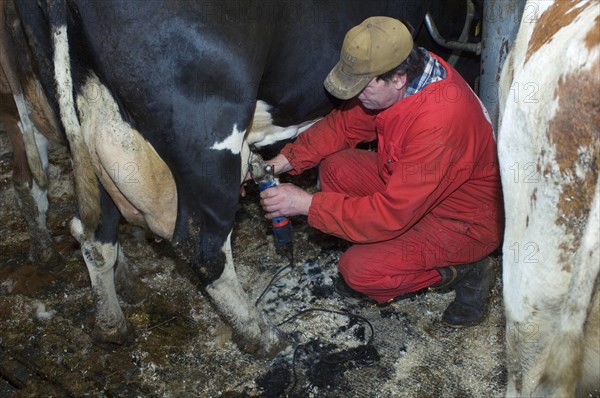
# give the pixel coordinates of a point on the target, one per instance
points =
(136, 178)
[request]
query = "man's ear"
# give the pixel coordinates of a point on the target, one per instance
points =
(399, 80)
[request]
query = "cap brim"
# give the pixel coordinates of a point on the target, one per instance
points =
(344, 86)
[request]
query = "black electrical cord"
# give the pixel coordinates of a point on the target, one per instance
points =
(341, 358)
(344, 313)
(290, 252)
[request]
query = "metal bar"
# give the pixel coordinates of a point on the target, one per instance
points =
(451, 44)
(501, 20)
(464, 35)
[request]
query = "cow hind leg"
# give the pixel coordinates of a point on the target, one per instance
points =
(589, 384)
(252, 332)
(101, 251)
(32, 198)
(33, 203)
(571, 367)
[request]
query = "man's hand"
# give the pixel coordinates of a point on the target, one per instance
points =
(285, 200)
(281, 165)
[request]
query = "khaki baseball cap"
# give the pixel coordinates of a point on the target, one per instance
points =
(374, 47)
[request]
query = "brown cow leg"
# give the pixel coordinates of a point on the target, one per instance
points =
(32, 201)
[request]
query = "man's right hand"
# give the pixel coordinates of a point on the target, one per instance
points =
(280, 164)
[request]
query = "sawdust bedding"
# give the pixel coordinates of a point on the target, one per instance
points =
(339, 347)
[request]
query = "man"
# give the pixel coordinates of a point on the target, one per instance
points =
(424, 210)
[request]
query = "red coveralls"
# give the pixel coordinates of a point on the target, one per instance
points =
(430, 197)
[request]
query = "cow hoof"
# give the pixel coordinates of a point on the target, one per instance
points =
(121, 335)
(271, 344)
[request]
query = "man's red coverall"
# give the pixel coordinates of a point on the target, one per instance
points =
(430, 197)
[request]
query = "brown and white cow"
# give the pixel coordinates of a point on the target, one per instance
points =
(548, 144)
(29, 122)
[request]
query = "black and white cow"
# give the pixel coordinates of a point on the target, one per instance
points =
(160, 100)
(549, 151)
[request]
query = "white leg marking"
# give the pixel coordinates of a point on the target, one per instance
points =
(100, 259)
(40, 193)
(37, 160)
(40, 196)
(234, 304)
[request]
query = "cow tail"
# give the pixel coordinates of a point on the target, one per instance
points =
(86, 183)
(565, 365)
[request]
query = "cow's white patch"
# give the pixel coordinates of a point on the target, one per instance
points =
(233, 142)
(77, 230)
(263, 132)
(40, 196)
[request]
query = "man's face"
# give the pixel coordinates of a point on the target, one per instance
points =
(381, 94)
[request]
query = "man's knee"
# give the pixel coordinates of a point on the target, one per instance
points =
(352, 268)
(331, 170)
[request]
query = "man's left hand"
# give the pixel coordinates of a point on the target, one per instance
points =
(285, 200)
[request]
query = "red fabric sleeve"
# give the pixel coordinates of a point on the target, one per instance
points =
(343, 128)
(410, 192)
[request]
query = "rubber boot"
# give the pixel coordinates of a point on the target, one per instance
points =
(453, 274)
(472, 293)
(342, 288)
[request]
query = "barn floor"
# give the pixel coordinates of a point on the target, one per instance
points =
(340, 347)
